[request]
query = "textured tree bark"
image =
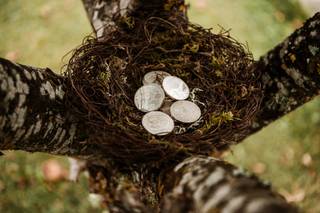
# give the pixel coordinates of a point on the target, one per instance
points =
(290, 73)
(205, 184)
(123, 191)
(34, 118)
(106, 15)
(102, 14)
(33, 115)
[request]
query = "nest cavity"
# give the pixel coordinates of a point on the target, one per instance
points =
(105, 73)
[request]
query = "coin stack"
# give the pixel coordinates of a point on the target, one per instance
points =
(163, 98)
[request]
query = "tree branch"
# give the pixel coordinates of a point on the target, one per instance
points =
(33, 114)
(105, 15)
(101, 14)
(290, 73)
(204, 184)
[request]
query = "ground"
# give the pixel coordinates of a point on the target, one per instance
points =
(40, 32)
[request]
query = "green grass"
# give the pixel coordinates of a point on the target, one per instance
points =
(23, 187)
(40, 32)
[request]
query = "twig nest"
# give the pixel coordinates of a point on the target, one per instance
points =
(111, 77)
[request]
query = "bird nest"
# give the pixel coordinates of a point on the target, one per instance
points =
(105, 73)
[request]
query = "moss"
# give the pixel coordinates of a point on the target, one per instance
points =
(192, 47)
(293, 57)
(217, 120)
(128, 21)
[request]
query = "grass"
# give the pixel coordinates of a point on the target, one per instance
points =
(40, 32)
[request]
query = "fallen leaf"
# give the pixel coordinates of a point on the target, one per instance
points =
(53, 171)
(46, 11)
(280, 16)
(306, 160)
(259, 168)
(12, 55)
(297, 23)
(295, 196)
(201, 4)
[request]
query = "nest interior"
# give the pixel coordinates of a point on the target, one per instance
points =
(104, 75)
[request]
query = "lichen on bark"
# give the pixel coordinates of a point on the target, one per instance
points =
(290, 73)
(33, 115)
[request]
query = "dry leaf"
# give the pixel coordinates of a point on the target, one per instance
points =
(12, 55)
(306, 160)
(201, 4)
(259, 168)
(280, 16)
(46, 11)
(53, 171)
(297, 23)
(296, 196)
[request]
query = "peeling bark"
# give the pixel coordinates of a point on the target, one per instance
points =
(290, 73)
(33, 116)
(205, 184)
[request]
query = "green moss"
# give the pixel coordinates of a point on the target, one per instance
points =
(128, 21)
(192, 47)
(217, 120)
(216, 62)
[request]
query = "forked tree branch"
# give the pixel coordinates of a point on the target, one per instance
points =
(34, 118)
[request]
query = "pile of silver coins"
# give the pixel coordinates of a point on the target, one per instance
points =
(163, 98)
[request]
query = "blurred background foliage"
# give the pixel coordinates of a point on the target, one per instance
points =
(41, 32)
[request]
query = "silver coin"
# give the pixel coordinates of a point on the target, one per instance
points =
(154, 77)
(176, 88)
(149, 97)
(185, 111)
(157, 123)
